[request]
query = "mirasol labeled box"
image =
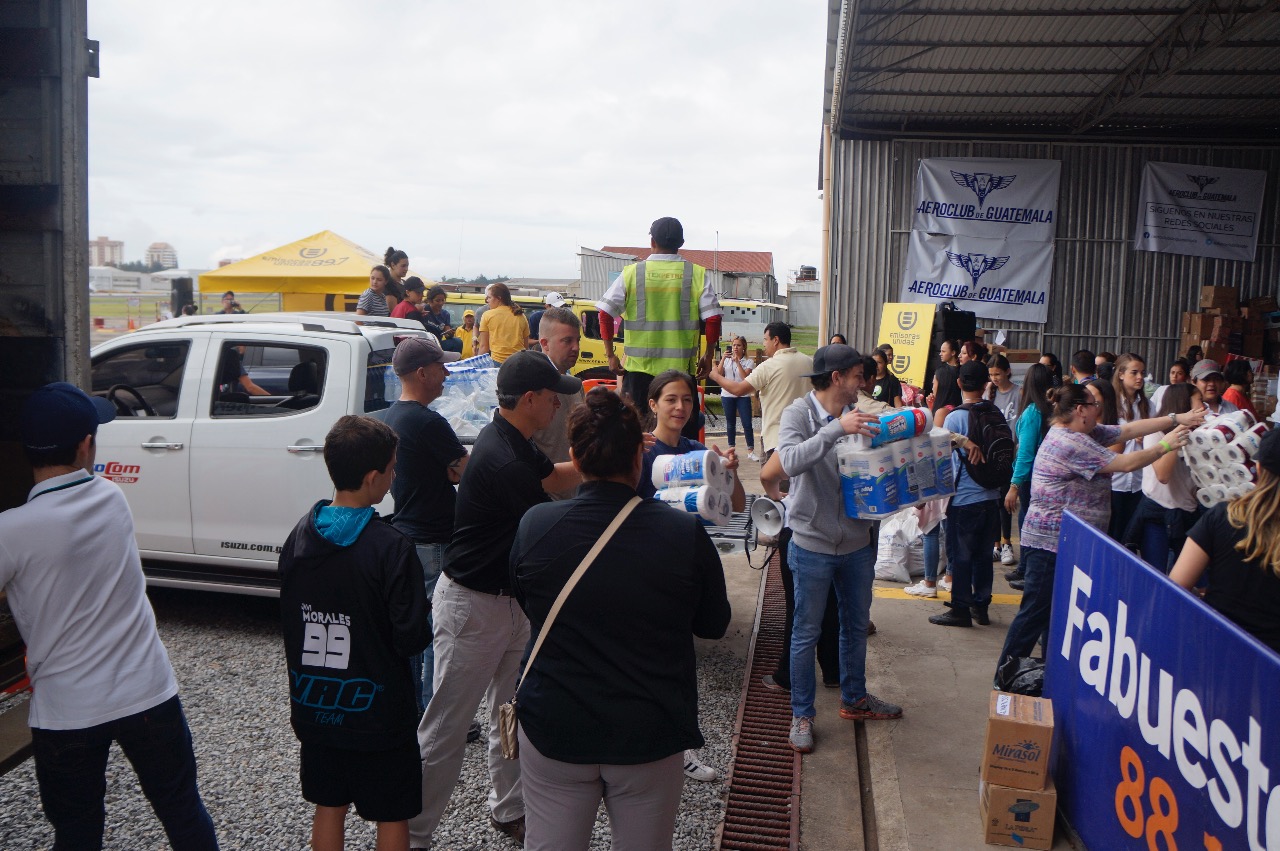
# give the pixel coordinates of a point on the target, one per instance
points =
(1019, 736)
(1017, 817)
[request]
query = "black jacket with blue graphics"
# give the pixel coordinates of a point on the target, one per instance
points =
(352, 616)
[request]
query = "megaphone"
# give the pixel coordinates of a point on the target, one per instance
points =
(768, 516)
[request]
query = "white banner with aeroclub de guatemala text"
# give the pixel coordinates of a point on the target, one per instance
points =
(1199, 210)
(995, 278)
(992, 198)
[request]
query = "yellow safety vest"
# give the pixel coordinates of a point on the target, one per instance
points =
(661, 314)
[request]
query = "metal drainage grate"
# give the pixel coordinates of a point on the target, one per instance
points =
(763, 810)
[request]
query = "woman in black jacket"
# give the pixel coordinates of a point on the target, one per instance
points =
(611, 701)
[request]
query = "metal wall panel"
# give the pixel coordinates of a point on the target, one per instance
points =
(1104, 295)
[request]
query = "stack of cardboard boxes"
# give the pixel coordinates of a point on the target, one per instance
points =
(1224, 326)
(1017, 801)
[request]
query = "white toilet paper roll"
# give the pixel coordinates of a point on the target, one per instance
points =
(1204, 498)
(1233, 453)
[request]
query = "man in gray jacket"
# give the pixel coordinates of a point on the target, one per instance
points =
(828, 546)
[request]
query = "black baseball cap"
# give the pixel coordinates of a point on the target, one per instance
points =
(60, 415)
(529, 371)
(414, 284)
(833, 358)
(1268, 454)
(667, 232)
(974, 374)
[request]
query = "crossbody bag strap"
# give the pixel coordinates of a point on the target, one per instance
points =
(573, 580)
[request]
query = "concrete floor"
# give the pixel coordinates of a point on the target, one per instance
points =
(924, 768)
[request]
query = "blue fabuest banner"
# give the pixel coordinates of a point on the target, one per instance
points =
(1167, 714)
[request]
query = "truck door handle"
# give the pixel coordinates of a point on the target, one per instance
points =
(310, 447)
(162, 446)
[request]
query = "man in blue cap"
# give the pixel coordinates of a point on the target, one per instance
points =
(99, 673)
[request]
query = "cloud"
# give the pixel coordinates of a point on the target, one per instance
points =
(507, 132)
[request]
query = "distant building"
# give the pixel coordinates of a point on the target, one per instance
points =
(163, 255)
(110, 279)
(106, 252)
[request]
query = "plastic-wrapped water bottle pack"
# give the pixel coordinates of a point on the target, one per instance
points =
(470, 395)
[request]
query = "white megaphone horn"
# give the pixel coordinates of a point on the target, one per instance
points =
(768, 516)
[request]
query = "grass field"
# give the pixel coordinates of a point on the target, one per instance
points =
(115, 307)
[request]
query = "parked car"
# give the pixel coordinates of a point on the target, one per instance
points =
(217, 477)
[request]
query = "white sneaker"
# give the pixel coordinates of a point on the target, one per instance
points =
(945, 584)
(753, 456)
(695, 770)
(921, 590)
(1006, 554)
(995, 553)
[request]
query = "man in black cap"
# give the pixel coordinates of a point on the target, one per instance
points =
(665, 301)
(827, 546)
(429, 462)
(480, 630)
(99, 673)
(973, 514)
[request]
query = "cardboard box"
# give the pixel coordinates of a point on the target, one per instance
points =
(1017, 817)
(1019, 736)
(1263, 304)
(1219, 297)
(1197, 324)
(1022, 355)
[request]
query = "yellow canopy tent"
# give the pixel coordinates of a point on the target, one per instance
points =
(324, 271)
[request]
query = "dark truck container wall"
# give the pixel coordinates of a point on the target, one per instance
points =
(46, 59)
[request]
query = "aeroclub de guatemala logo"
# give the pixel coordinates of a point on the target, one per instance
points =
(983, 183)
(975, 264)
(1202, 182)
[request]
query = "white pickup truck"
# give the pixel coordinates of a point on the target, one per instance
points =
(216, 474)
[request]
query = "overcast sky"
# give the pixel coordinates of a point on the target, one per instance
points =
(481, 137)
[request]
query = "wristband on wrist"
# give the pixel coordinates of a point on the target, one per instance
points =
(1174, 418)
(1167, 447)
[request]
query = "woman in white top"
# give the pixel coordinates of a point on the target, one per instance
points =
(1129, 382)
(737, 366)
(1168, 508)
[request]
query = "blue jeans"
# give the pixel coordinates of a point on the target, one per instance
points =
(931, 553)
(813, 574)
(71, 768)
(970, 529)
(424, 664)
(1037, 603)
(738, 407)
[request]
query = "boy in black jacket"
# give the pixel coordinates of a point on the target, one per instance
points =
(354, 611)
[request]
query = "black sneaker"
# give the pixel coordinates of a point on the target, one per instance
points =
(1017, 584)
(951, 618)
(1014, 575)
(980, 615)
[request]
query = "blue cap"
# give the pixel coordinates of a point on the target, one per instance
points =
(59, 415)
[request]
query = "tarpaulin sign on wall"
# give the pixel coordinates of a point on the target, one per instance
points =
(1167, 714)
(1199, 210)
(993, 198)
(982, 234)
(995, 278)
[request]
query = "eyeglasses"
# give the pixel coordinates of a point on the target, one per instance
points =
(1090, 404)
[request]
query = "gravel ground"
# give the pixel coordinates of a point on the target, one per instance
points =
(228, 657)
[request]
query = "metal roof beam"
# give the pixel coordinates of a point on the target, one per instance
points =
(1050, 72)
(902, 93)
(1204, 27)
(997, 45)
(1134, 11)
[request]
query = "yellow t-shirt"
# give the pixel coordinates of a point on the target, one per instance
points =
(468, 342)
(508, 333)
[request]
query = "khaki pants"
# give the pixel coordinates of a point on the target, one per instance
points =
(561, 800)
(479, 639)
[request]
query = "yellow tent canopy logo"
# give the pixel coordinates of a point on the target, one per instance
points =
(312, 253)
(907, 319)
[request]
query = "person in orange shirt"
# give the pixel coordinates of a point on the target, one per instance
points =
(1239, 375)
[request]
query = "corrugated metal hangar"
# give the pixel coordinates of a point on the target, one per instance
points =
(1104, 87)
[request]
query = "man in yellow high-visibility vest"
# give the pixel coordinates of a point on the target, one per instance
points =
(667, 304)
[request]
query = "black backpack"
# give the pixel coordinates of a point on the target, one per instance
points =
(990, 431)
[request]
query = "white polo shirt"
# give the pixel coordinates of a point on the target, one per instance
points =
(70, 566)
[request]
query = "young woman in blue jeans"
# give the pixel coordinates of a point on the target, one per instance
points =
(737, 366)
